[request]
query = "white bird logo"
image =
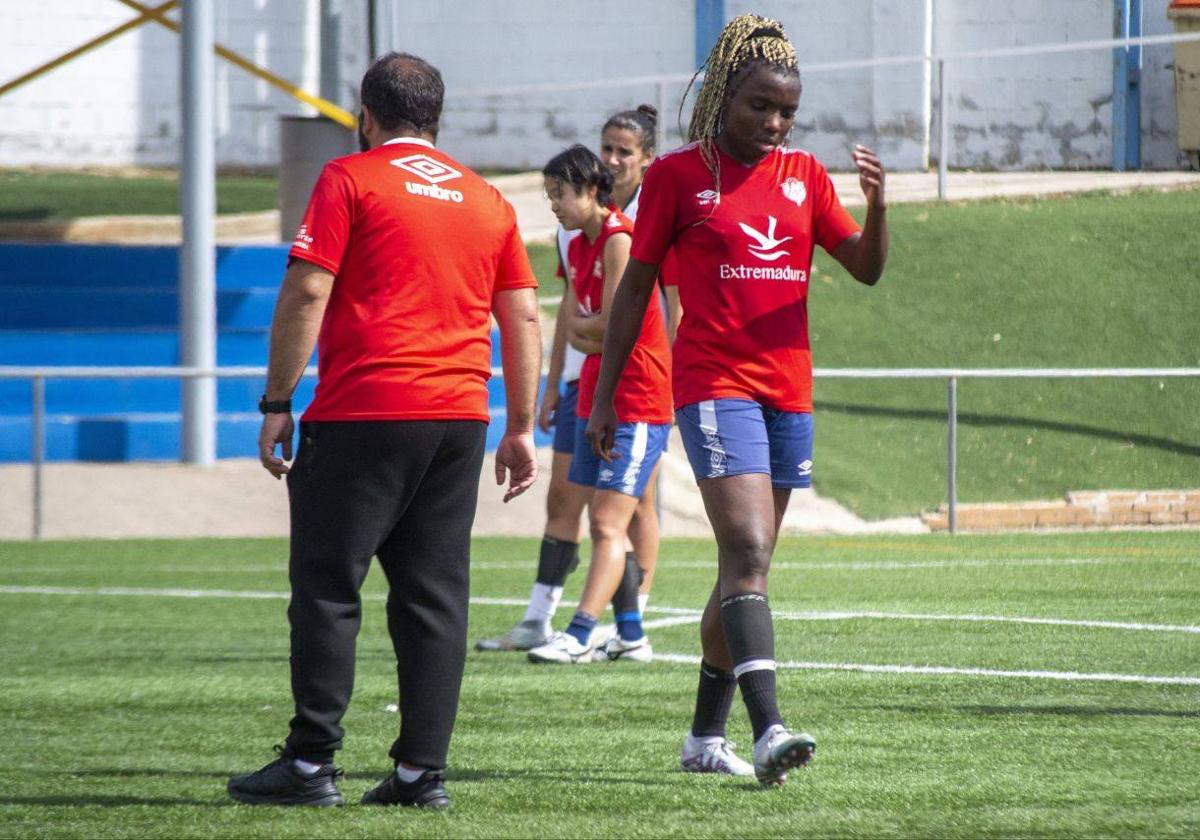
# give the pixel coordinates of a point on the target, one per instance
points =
(766, 243)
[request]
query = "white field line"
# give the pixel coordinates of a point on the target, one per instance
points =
(682, 616)
(937, 670)
(892, 565)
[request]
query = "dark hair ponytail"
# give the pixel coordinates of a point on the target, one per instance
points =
(579, 167)
(642, 121)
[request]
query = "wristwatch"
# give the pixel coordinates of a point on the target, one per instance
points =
(267, 406)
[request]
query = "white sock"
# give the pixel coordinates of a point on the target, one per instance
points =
(543, 601)
(305, 767)
(643, 599)
(408, 776)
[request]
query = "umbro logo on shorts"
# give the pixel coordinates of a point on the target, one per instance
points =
(805, 467)
(422, 165)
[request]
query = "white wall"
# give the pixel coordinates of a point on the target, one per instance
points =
(482, 44)
(119, 104)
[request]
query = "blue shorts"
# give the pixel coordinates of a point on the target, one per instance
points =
(638, 447)
(565, 420)
(734, 437)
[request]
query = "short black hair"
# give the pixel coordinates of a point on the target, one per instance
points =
(404, 91)
(579, 167)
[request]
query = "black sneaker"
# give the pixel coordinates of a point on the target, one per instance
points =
(428, 791)
(280, 783)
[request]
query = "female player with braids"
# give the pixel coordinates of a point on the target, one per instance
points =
(741, 213)
(627, 146)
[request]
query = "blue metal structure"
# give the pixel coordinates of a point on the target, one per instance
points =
(710, 20)
(1127, 94)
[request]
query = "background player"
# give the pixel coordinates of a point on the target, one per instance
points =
(742, 215)
(627, 146)
(578, 186)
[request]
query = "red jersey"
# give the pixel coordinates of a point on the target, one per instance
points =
(743, 259)
(418, 246)
(643, 394)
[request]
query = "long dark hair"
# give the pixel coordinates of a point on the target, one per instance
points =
(579, 167)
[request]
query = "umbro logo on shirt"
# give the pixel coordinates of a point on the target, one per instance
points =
(707, 197)
(432, 170)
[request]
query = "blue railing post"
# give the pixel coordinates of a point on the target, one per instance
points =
(38, 455)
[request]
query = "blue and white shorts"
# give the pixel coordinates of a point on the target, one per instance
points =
(638, 447)
(734, 437)
(565, 419)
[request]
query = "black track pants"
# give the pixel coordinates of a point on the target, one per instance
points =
(406, 491)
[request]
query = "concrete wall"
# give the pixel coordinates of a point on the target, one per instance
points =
(119, 105)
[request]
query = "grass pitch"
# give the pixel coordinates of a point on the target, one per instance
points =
(957, 687)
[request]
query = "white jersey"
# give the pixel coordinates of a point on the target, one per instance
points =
(573, 360)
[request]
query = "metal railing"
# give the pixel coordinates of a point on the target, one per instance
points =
(938, 60)
(38, 376)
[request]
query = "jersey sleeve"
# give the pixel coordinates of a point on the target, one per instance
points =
(832, 223)
(325, 230)
(513, 270)
(668, 270)
(657, 209)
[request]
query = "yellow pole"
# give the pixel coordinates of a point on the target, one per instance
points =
(146, 15)
(327, 108)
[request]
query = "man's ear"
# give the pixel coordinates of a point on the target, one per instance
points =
(368, 120)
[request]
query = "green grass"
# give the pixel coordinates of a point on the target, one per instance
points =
(55, 196)
(1091, 281)
(124, 715)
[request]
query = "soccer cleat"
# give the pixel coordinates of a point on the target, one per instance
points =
(778, 751)
(524, 636)
(281, 783)
(562, 648)
(712, 754)
(638, 650)
(428, 791)
(603, 634)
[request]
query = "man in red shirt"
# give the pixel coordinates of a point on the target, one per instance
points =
(403, 258)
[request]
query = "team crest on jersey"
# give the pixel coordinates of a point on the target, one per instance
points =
(424, 166)
(706, 197)
(794, 191)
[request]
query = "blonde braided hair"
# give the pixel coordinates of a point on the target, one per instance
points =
(745, 40)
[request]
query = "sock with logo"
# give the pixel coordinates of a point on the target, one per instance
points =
(714, 697)
(625, 601)
(746, 617)
(581, 627)
(556, 560)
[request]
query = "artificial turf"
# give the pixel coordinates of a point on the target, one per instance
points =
(139, 674)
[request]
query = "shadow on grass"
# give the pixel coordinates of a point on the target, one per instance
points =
(25, 214)
(116, 801)
(974, 419)
(1070, 711)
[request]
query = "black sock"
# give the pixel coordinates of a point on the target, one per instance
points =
(556, 560)
(625, 599)
(746, 617)
(714, 696)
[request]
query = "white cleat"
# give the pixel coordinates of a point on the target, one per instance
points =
(603, 634)
(563, 649)
(778, 751)
(712, 754)
(638, 650)
(524, 636)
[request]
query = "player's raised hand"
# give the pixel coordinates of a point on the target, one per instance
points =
(871, 174)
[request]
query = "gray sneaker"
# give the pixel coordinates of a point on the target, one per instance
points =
(525, 636)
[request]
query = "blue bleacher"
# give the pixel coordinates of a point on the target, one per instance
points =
(118, 305)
